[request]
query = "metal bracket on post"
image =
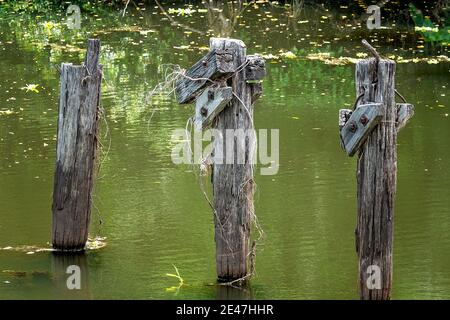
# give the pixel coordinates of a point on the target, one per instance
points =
(217, 64)
(360, 124)
(355, 126)
(209, 104)
(213, 68)
(225, 84)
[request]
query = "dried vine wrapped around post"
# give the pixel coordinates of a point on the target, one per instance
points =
(224, 85)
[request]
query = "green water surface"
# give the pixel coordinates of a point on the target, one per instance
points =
(153, 213)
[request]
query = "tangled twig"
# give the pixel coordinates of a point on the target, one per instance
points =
(171, 74)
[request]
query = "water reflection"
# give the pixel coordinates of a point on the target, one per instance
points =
(154, 213)
(232, 292)
(65, 276)
(223, 16)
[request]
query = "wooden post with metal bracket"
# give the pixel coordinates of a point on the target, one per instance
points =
(209, 104)
(225, 84)
(371, 130)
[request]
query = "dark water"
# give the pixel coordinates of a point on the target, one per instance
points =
(153, 212)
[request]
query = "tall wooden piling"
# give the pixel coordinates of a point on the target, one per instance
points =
(376, 178)
(76, 150)
(233, 183)
(370, 130)
(225, 83)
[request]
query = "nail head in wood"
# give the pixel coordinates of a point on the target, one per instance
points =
(210, 94)
(363, 120)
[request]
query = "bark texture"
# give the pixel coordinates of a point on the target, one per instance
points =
(376, 175)
(76, 150)
(233, 183)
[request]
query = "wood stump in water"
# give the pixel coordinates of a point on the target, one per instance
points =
(76, 150)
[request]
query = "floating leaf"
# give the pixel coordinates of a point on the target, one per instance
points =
(6, 112)
(288, 55)
(31, 87)
(181, 47)
(96, 243)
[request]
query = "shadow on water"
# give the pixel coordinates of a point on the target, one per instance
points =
(230, 292)
(65, 267)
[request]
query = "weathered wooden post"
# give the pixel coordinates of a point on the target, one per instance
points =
(76, 150)
(233, 81)
(372, 130)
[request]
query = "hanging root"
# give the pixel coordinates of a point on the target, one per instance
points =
(171, 73)
(205, 166)
(101, 154)
(200, 171)
(249, 275)
(243, 192)
(256, 225)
